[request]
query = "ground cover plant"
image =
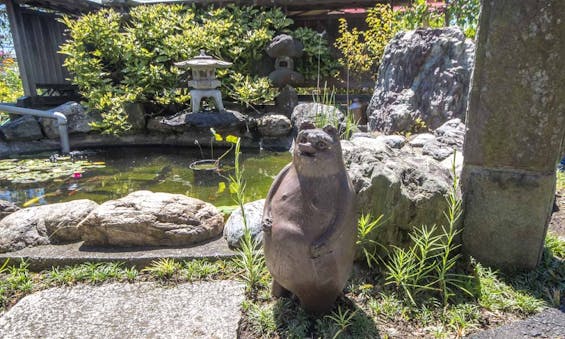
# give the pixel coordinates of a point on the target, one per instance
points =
(118, 59)
(368, 308)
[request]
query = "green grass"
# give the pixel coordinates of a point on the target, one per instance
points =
(367, 306)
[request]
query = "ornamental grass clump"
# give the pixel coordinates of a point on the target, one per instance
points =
(429, 266)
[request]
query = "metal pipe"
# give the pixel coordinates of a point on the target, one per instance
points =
(60, 117)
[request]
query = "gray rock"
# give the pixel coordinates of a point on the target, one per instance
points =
(21, 129)
(424, 74)
(144, 218)
(78, 121)
(284, 45)
(274, 125)
(280, 144)
(206, 120)
(393, 141)
(448, 137)
(136, 116)
(42, 225)
(419, 140)
(142, 310)
(7, 208)
(286, 100)
(408, 189)
(233, 231)
(314, 112)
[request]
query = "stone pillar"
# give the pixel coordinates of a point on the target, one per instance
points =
(516, 131)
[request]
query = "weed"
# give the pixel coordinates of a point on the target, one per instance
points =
(555, 246)
(260, 319)
(496, 295)
(389, 306)
(201, 269)
(130, 273)
(249, 260)
(164, 268)
(326, 110)
(341, 320)
(15, 281)
(292, 319)
(366, 226)
(429, 265)
(461, 318)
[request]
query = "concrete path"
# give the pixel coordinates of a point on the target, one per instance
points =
(549, 323)
(119, 310)
(45, 256)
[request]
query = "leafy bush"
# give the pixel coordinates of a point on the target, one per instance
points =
(465, 14)
(317, 61)
(10, 83)
(117, 59)
(250, 90)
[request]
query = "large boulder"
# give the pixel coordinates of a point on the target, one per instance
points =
(7, 208)
(42, 225)
(316, 112)
(424, 74)
(78, 121)
(409, 189)
(23, 128)
(233, 231)
(144, 218)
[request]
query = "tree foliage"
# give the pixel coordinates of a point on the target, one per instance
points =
(362, 50)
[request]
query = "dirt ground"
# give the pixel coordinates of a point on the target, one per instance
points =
(557, 223)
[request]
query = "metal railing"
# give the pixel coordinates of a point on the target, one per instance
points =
(60, 117)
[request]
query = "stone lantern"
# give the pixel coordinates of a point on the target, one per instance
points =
(204, 83)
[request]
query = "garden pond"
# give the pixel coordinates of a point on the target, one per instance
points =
(112, 173)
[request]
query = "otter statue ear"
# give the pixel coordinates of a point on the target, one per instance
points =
(332, 131)
(306, 125)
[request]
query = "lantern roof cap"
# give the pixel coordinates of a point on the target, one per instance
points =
(203, 61)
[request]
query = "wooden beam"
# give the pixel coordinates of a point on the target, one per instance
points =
(21, 46)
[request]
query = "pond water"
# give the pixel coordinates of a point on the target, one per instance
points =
(114, 172)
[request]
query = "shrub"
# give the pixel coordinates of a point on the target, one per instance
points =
(117, 59)
(10, 83)
(317, 61)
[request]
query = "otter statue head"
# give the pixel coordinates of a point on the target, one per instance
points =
(317, 151)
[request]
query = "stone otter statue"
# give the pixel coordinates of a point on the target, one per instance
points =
(309, 225)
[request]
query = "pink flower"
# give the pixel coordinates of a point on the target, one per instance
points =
(77, 175)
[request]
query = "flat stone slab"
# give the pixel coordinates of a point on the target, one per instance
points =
(549, 323)
(45, 256)
(142, 310)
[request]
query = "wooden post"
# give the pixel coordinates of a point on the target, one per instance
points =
(21, 46)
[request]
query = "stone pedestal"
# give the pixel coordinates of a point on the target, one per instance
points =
(516, 131)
